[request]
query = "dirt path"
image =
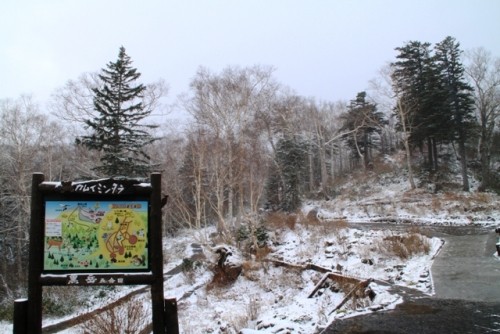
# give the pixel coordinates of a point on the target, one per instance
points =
(466, 279)
(467, 269)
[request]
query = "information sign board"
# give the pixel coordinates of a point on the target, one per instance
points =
(96, 236)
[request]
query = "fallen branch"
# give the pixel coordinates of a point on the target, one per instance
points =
(327, 274)
(319, 285)
(360, 285)
(286, 264)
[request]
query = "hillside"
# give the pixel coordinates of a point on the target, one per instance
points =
(268, 298)
(306, 270)
(384, 195)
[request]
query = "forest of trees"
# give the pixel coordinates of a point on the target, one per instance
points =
(251, 143)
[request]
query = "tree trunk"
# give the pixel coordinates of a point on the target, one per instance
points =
(408, 162)
(230, 193)
(20, 256)
(430, 156)
(311, 170)
(484, 154)
(463, 163)
(434, 153)
(366, 153)
(332, 163)
(324, 171)
(406, 142)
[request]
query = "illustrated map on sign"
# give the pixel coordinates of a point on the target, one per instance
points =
(96, 235)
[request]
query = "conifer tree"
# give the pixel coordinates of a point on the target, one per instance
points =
(458, 102)
(117, 131)
(285, 185)
(361, 121)
(417, 82)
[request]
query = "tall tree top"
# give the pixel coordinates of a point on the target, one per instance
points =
(118, 131)
(122, 67)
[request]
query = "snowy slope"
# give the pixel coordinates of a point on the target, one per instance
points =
(271, 298)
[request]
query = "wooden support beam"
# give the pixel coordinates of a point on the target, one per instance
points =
(319, 285)
(360, 285)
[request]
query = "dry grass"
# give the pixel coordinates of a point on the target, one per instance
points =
(483, 198)
(277, 220)
(284, 278)
(129, 318)
(235, 323)
(454, 197)
(224, 276)
(436, 205)
(253, 307)
(262, 252)
(405, 246)
(335, 227)
(359, 298)
(380, 167)
(251, 270)
(311, 219)
(339, 224)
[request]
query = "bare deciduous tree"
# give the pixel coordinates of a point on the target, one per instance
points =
(73, 103)
(483, 72)
(225, 107)
(390, 97)
(29, 143)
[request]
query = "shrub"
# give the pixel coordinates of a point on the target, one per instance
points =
(405, 246)
(253, 307)
(129, 318)
(279, 219)
(242, 233)
(312, 218)
(260, 234)
(7, 310)
(189, 265)
(224, 276)
(59, 301)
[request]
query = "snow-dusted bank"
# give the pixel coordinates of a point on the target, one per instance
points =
(267, 297)
(271, 298)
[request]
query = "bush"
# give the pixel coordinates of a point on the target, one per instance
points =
(59, 301)
(129, 318)
(189, 265)
(405, 246)
(251, 237)
(7, 310)
(278, 219)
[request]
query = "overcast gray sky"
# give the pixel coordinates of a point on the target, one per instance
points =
(323, 49)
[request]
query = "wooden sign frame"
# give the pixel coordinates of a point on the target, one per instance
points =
(47, 228)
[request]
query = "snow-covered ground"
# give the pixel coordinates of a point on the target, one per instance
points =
(268, 298)
(271, 298)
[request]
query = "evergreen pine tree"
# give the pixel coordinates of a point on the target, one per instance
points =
(417, 82)
(362, 121)
(274, 187)
(290, 163)
(117, 132)
(459, 102)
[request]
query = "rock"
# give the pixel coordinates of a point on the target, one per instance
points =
(367, 261)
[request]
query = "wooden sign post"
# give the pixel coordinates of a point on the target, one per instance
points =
(100, 232)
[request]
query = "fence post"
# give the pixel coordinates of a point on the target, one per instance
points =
(497, 230)
(20, 316)
(36, 247)
(171, 319)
